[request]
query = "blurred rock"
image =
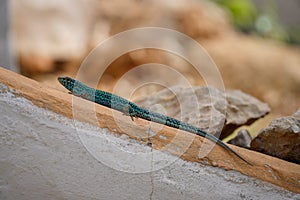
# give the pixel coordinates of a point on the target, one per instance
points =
(280, 139)
(262, 68)
(205, 107)
(242, 139)
(199, 21)
(55, 36)
(48, 35)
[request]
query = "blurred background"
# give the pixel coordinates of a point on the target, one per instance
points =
(254, 43)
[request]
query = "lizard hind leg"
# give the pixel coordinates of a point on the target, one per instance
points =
(128, 111)
(132, 116)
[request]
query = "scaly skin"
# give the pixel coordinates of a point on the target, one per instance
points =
(128, 108)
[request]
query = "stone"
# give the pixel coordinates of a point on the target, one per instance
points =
(297, 114)
(280, 139)
(207, 108)
(242, 109)
(242, 139)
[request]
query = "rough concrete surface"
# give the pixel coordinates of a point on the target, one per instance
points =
(47, 156)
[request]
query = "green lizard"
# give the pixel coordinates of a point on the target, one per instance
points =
(128, 108)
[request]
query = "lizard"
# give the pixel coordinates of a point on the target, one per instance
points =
(129, 108)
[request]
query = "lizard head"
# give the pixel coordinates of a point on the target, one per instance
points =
(77, 88)
(67, 82)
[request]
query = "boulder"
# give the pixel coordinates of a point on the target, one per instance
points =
(242, 139)
(280, 139)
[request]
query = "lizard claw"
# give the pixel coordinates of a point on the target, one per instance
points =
(131, 118)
